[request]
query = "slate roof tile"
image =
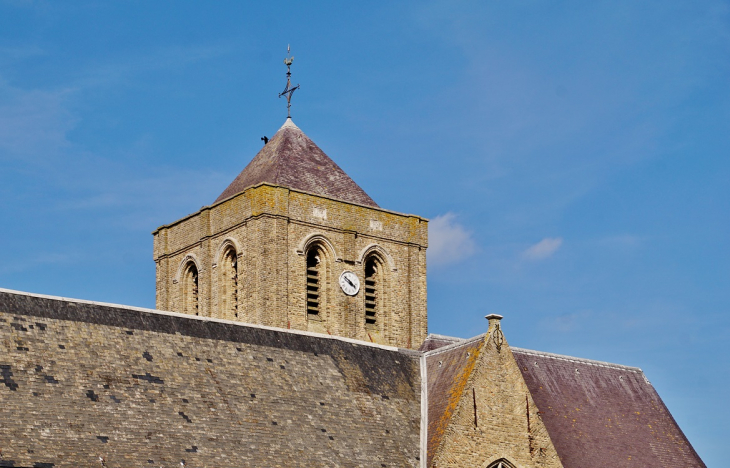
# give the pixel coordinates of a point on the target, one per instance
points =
(291, 159)
(601, 414)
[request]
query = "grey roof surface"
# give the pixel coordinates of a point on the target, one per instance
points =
(80, 380)
(602, 414)
(597, 413)
(434, 341)
(291, 159)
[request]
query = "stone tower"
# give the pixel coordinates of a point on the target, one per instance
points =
(286, 244)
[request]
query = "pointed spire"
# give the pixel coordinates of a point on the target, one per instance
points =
(289, 123)
(291, 159)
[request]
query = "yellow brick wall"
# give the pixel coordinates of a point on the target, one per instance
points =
(271, 227)
(496, 417)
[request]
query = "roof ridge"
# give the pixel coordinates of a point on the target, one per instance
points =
(288, 123)
(458, 344)
(590, 362)
(444, 337)
(206, 319)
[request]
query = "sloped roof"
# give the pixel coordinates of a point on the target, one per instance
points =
(601, 414)
(291, 159)
(80, 380)
(210, 390)
(448, 370)
(434, 341)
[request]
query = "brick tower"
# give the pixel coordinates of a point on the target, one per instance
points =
(294, 242)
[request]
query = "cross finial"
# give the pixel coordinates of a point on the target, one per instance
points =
(288, 91)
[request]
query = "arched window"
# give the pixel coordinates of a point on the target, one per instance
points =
(229, 284)
(373, 290)
(190, 289)
(501, 463)
(315, 282)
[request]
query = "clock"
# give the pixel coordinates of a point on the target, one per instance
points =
(349, 283)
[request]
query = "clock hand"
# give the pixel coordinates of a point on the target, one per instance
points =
(348, 280)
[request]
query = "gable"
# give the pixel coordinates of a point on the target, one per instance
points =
(480, 410)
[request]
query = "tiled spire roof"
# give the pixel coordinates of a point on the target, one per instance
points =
(291, 159)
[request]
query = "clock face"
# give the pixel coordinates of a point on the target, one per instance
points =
(349, 283)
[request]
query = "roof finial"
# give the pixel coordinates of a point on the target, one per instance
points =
(288, 91)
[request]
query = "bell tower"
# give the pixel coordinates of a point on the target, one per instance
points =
(294, 242)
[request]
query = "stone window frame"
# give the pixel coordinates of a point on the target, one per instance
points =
(380, 292)
(385, 317)
(327, 260)
(227, 310)
(317, 237)
(186, 286)
(371, 248)
(502, 463)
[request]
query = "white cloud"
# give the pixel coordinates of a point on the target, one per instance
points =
(448, 241)
(543, 249)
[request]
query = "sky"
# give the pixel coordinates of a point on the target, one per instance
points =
(572, 157)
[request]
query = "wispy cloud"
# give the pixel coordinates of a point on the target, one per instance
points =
(142, 200)
(28, 263)
(448, 241)
(19, 52)
(623, 240)
(33, 123)
(34, 128)
(121, 70)
(567, 323)
(543, 249)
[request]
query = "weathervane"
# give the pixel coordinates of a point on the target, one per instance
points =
(288, 91)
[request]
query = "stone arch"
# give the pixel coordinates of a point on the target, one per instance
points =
(376, 316)
(228, 274)
(190, 288)
(373, 291)
(375, 248)
(227, 243)
(191, 257)
(501, 463)
(316, 237)
(319, 258)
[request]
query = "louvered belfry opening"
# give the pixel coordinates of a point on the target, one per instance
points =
(230, 283)
(314, 283)
(372, 281)
(190, 289)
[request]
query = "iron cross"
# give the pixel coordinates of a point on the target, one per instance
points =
(288, 91)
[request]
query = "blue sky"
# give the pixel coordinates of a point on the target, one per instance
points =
(573, 157)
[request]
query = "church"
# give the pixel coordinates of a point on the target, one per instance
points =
(290, 330)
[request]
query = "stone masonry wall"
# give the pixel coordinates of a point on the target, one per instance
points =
(142, 388)
(495, 416)
(271, 227)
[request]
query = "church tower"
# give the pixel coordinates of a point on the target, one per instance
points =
(294, 242)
